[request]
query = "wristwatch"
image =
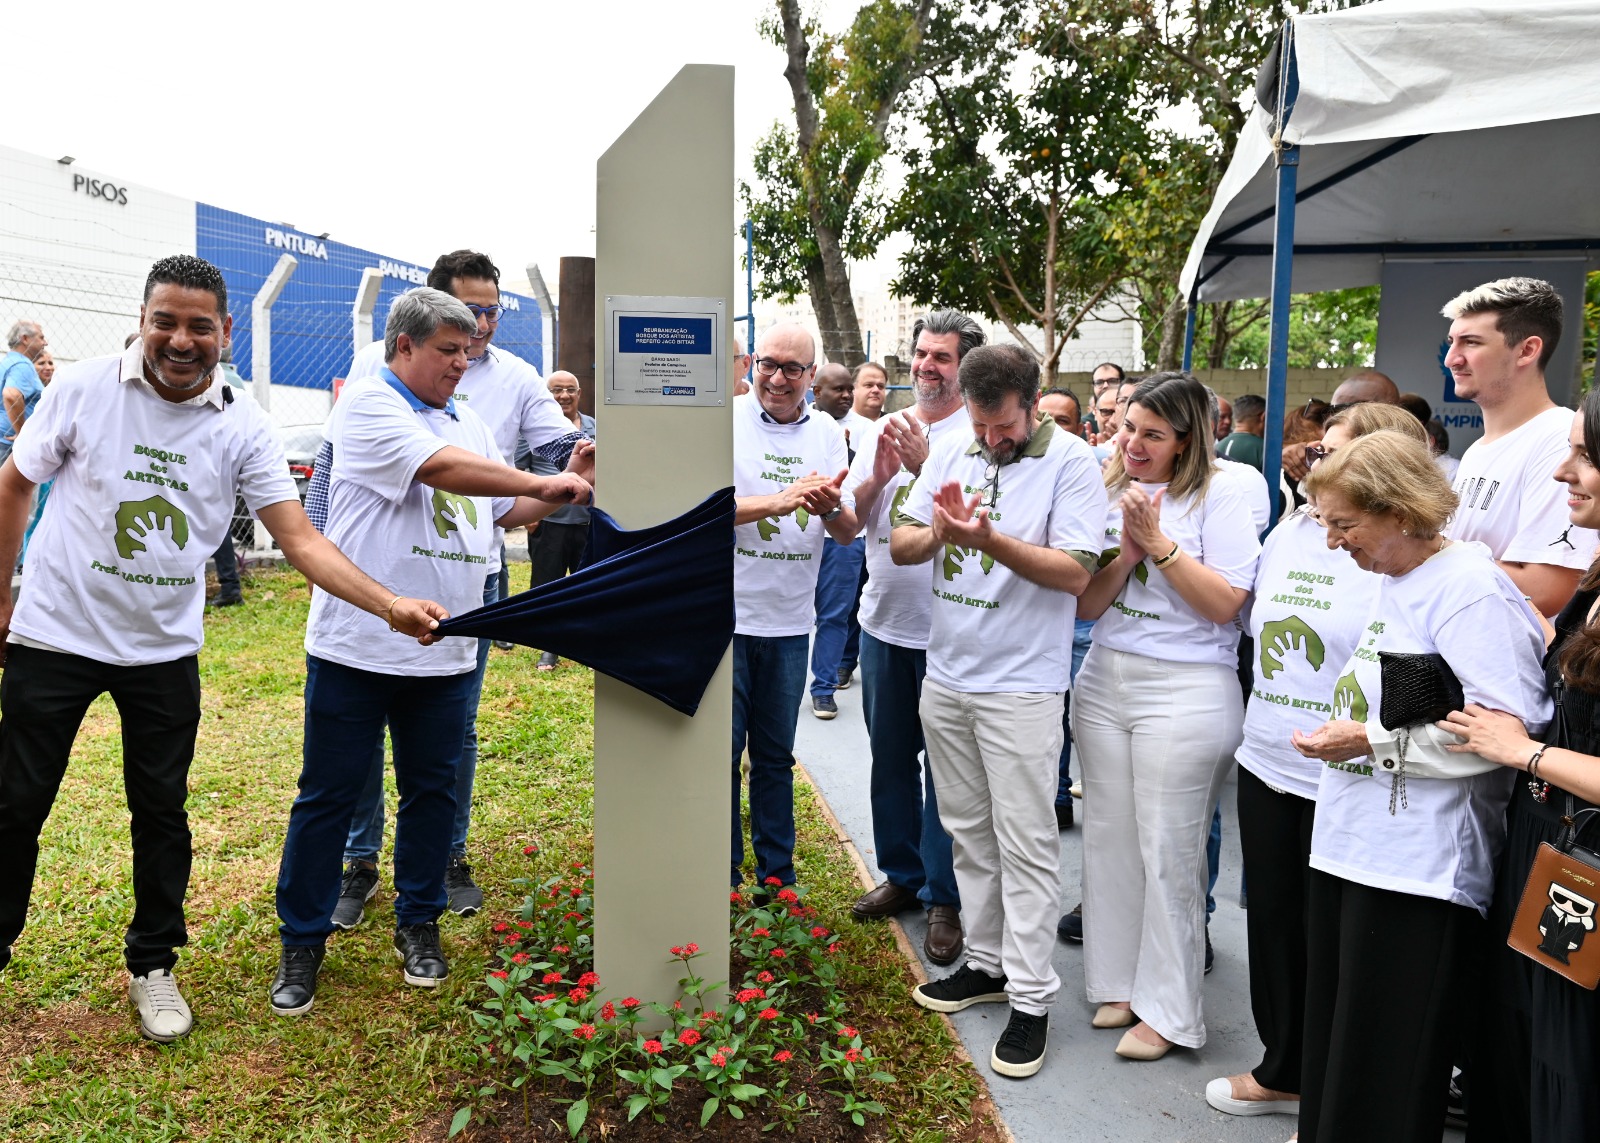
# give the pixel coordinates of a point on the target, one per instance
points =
(828, 517)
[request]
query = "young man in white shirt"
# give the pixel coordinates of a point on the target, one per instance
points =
(833, 658)
(1502, 335)
(419, 488)
(896, 611)
(788, 463)
(148, 450)
(1011, 521)
(510, 396)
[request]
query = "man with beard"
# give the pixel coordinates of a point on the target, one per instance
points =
(913, 848)
(148, 450)
(1010, 521)
(833, 658)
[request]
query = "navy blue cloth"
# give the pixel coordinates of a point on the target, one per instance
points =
(652, 608)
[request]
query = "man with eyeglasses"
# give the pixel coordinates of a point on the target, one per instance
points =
(1106, 375)
(788, 463)
(1011, 521)
(912, 846)
(508, 393)
(556, 543)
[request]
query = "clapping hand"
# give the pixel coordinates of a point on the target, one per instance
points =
(904, 432)
(1141, 524)
(958, 520)
(823, 498)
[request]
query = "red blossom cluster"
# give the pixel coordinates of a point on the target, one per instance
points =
(746, 995)
(688, 1037)
(765, 977)
(550, 978)
(783, 1056)
(853, 1055)
(652, 1047)
(579, 994)
(589, 980)
(768, 1014)
(499, 974)
(584, 1031)
(608, 1011)
(819, 932)
(631, 1002)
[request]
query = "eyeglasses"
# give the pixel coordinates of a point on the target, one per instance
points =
(563, 391)
(1105, 413)
(1316, 451)
(991, 481)
(791, 370)
(491, 312)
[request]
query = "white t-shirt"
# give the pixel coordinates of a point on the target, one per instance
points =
(897, 604)
(858, 428)
(776, 559)
(1510, 501)
(422, 542)
(144, 493)
(1311, 606)
(501, 388)
(991, 629)
(1149, 617)
(1443, 843)
(1248, 477)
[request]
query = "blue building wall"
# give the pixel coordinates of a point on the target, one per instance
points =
(311, 321)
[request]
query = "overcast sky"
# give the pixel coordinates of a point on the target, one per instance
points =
(406, 128)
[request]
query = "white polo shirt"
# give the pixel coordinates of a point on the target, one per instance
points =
(1510, 501)
(422, 542)
(776, 559)
(144, 493)
(897, 605)
(501, 388)
(991, 630)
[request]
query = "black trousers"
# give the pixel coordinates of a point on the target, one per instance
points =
(554, 551)
(227, 570)
(1275, 834)
(43, 697)
(1383, 973)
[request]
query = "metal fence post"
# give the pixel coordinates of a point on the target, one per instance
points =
(1287, 158)
(261, 330)
(366, 305)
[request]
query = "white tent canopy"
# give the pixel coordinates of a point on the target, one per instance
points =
(1425, 127)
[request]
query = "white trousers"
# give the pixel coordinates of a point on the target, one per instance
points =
(1156, 739)
(995, 760)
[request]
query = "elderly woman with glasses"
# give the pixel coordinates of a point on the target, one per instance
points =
(1406, 831)
(1157, 712)
(1311, 605)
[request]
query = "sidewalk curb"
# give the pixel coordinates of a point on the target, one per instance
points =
(907, 950)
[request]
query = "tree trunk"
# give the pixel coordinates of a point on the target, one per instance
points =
(1170, 355)
(822, 305)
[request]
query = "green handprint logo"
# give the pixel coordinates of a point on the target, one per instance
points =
(1140, 572)
(1285, 635)
(448, 508)
(137, 519)
(768, 527)
(1349, 701)
(900, 499)
(802, 517)
(954, 558)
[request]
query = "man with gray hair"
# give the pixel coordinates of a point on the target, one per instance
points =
(418, 488)
(1010, 520)
(20, 386)
(912, 846)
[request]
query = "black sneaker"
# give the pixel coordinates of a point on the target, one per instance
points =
(462, 893)
(1070, 927)
(1455, 1108)
(1020, 1050)
(824, 707)
(295, 986)
(221, 600)
(1064, 815)
(845, 677)
(1210, 957)
(422, 960)
(965, 988)
(360, 882)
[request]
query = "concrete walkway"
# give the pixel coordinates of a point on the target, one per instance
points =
(1085, 1091)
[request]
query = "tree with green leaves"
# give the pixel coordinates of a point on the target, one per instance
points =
(818, 204)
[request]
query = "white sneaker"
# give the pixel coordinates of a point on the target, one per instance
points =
(163, 1016)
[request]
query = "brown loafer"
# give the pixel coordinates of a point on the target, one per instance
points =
(885, 901)
(945, 940)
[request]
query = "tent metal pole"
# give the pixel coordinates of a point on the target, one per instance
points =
(1188, 336)
(1287, 159)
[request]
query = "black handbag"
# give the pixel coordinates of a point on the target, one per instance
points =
(1416, 688)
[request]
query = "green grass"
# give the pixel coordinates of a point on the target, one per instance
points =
(375, 1059)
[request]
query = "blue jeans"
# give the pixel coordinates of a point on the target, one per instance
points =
(769, 680)
(914, 851)
(838, 595)
(345, 713)
(1213, 858)
(1082, 636)
(366, 824)
(33, 520)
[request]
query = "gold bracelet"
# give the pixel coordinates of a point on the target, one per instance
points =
(1166, 560)
(388, 612)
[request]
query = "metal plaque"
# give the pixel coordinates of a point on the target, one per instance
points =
(666, 351)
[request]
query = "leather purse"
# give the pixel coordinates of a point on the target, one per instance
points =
(1555, 921)
(1416, 688)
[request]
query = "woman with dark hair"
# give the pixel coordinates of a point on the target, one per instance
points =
(1156, 712)
(1406, 831)
(1538, 1047)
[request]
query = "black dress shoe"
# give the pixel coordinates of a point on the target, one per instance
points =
(945, 940)
(421, 957)
(1064, 816)
(220, 600)
(885, 901)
